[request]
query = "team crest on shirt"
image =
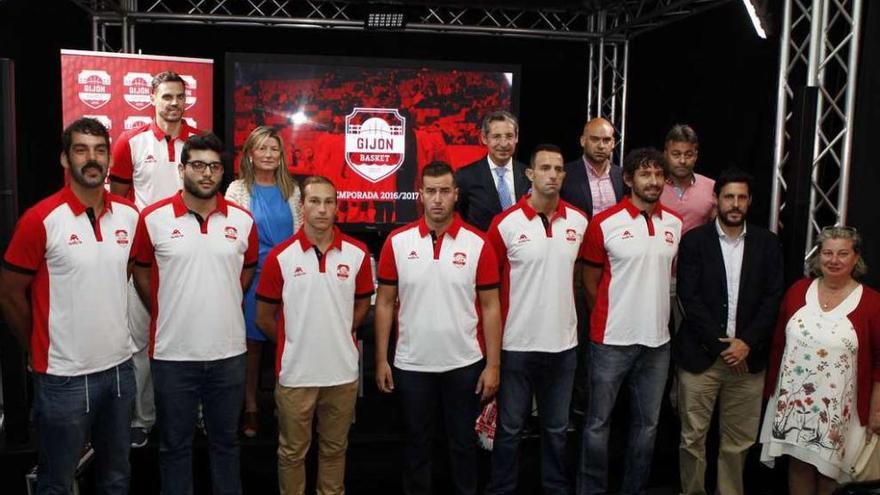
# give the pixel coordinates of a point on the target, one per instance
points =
(121, 237)
(627, 235)
(176, 234)
(342, 272)
(298, 271)
(459, 259)
(522, 239)
(231, 233)
(73, 240)
(413, 255)
(670, 239)
(571, 235)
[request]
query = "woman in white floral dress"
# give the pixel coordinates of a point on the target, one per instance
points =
(824, 370)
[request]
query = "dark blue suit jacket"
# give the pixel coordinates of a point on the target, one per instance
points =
(576, 186)
(702, 291)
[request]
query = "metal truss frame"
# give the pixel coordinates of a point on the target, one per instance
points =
(605, 28)
(819, 48)
(625, 19)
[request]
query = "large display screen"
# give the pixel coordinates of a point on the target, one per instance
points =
(369, 125)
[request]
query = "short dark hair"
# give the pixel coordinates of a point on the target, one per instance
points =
(643, 157)
(167, 76)
(206, 141)
(683, 133)
(549, 147)
(437, 169)
(731, 175)
(499, 116)
(84, 125)
(314, 179)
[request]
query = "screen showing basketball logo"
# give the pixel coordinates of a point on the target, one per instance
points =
(374, 142)
(369, 125)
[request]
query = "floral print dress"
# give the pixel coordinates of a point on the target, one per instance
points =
(812, 415)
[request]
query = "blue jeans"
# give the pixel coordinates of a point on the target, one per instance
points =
(420, 393)
(644, 371)
(549, 376)
(180, 387)
(70, 409)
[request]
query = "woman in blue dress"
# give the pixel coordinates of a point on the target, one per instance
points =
(271, 194)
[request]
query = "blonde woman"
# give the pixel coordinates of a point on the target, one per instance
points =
(268, 191)
(823, 378)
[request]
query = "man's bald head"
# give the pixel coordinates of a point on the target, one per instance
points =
(597, 141)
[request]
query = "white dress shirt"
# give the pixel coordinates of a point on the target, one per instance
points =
(732, 250)
(508, 176)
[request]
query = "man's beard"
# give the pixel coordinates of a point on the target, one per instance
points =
(192, 187)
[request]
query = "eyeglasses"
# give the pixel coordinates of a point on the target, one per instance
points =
(200, 166)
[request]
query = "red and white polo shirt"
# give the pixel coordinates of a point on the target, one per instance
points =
(635, 251)
(196, 278)
(78, 293)
(147, 159)
(537, 258)
(316, 342)
(437, 282)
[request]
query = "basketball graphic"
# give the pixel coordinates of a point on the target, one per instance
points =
(375, 142)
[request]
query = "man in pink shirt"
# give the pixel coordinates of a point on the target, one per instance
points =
(592, 182)
(688, 193)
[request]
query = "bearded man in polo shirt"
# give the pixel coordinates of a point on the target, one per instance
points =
(628, 253)
(196, 254)
(145, 169)
(322, 279)
(440, 268)
(62, 292)
(537, 242)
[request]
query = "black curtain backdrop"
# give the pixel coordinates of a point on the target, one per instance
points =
(865, 174)
(711, 71)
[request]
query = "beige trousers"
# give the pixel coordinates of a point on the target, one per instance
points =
(297, 406)
(739, 399)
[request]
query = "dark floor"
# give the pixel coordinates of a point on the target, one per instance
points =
(374, 454)
(374, 459)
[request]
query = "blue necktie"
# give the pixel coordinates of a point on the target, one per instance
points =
(503, 190)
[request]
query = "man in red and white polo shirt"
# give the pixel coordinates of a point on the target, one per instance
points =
(144, 168)
(62, 292)
(442, 270)
(628, 253)
(196, 253)
(145, 158)
(537, 243)
(323, 281)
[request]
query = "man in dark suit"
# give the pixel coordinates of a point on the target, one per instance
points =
(592, 182)
(730, 283)
(492, 184)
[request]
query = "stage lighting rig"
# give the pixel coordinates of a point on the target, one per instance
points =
(385, 18)
(761, 16)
